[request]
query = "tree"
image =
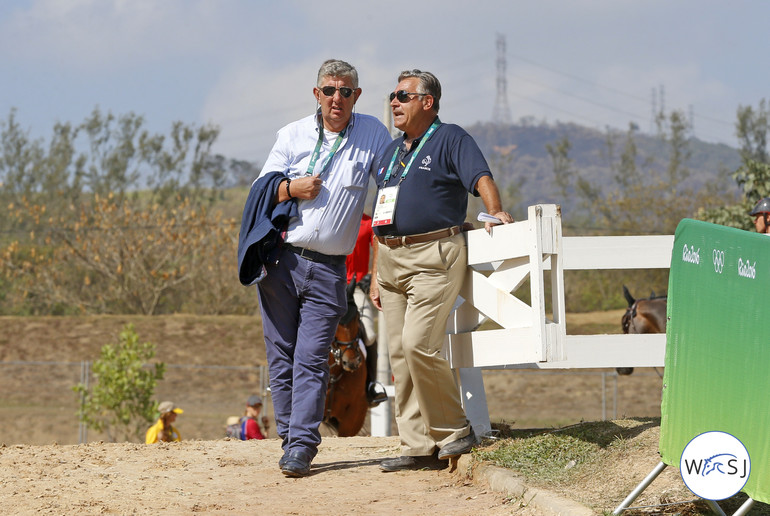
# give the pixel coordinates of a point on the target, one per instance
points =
(32, 174)
(500, 162)
(121, 401)
(123, 156)
(649, 195)
(562, 164)
(753, 176)
(751, 128)
(81, 236)
(117, 257)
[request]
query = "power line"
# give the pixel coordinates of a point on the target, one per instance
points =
(583, 99)
(580, 79)
(550, 106)
(617, 91)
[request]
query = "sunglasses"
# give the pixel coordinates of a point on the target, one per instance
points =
(329, 91)
(404, 96)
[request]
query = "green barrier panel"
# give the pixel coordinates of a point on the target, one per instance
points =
(717, 375)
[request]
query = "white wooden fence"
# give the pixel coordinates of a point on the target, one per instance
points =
(529, 337)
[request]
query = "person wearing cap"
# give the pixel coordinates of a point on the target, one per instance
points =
(164, 430)
(322, 163)
(250, 422)
(420, 264)
(760, 213)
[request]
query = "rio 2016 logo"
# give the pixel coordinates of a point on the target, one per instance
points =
(690, 254)
(719, 260)
(715, 465)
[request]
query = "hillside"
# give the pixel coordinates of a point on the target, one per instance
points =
(518, 155)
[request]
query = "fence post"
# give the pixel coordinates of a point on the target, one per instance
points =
(85, 374)
(380, 416)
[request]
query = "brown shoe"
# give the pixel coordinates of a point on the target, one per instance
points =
(411, 463)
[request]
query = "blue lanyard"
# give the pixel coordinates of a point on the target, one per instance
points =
(317, 151)
(424, 139)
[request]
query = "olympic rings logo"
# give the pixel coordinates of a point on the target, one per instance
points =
(719, 260)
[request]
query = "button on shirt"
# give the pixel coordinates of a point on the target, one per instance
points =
(329, 223)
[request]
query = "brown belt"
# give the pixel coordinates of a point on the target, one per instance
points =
(398, 241)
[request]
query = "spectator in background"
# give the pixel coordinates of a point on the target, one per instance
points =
(250, 423)
(357, 264)
(164, 430)
(760, 214)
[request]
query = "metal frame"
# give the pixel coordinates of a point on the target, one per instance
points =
(742, 510)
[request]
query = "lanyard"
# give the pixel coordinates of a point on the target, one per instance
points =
(317, 151)
(424, 139)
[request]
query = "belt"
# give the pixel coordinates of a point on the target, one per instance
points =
(315, 256)
(420, 238)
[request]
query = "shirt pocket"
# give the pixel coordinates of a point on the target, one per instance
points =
(359, 180)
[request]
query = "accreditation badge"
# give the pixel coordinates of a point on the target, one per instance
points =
(385, 208)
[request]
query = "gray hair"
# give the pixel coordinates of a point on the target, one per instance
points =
(337, 68)
(428, 84)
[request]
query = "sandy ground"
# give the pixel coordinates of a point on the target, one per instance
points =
(40, 359)
(232, 477)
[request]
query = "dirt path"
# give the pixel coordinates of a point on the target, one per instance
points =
(231, 477)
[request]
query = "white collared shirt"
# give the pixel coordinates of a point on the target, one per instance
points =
(329, 223)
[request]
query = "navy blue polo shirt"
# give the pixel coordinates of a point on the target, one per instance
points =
(434, 194)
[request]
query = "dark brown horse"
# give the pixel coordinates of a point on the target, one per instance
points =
(643, 316)
(346, 403)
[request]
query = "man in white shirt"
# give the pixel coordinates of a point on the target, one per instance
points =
(327, 159)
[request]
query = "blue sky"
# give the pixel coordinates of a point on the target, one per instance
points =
(250, 66)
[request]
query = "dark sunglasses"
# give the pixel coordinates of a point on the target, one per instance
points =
(404, 96)
(329, 91)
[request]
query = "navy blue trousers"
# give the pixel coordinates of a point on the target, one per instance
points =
(301, 304)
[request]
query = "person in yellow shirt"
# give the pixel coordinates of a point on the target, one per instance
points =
(163, 429)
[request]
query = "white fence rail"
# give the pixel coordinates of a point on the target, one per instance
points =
(499, 263)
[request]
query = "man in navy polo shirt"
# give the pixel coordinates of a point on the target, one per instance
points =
(327, 159)
(423, 184)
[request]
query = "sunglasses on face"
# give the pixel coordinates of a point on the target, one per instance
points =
(404, 96)
(344, 91)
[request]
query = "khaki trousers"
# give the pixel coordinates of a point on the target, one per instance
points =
(419, 284)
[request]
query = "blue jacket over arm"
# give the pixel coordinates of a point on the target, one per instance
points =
(261, 227)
